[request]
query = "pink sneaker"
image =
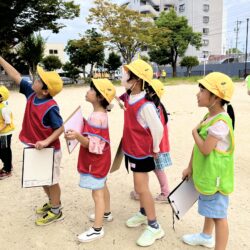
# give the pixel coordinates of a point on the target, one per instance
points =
(134, 196)
(162, 198)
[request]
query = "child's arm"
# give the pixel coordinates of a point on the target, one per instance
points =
(72, 135)
(45, 143)
(11, 71)
(187, 172)
(206, 146)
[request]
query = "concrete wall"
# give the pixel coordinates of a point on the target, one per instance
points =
(231, 69)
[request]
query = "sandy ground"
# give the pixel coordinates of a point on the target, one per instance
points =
(17, 209)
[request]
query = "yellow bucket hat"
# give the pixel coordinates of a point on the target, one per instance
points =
(158, 87)
(219, 84)
(141, 69)
(105, 87)
(4, 92)
(51, 79)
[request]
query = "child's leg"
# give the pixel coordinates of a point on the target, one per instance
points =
(221, 233)
(6, 155)
(141, 184)
(208, 226)
(162, 178)
(106, 199)
(54, 195)
(98, 197)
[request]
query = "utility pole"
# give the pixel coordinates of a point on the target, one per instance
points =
(237, 32)
(245, 73)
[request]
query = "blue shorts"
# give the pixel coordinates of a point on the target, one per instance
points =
(213, 206)
(90, 182)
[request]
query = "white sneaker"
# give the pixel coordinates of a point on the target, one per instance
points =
(149, 236)
(136, 220)
(90, 235)
(107, 218)
(198, 240)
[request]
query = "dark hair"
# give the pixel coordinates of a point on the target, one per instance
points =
(104, 103)
(230, 109)
(155, 99)
(132, 76)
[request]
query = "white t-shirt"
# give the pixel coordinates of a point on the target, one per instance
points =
(220, 130)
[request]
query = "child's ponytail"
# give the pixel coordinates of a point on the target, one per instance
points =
(230, 111)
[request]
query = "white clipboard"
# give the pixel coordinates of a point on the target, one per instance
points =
(38, 166)
(183, 197)
(74, 122)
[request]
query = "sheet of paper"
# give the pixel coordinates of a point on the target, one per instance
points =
(183, 197)
(37, 167)
(74, 122)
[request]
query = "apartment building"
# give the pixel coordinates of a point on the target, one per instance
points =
(205, 16)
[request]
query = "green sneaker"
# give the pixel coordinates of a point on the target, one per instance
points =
(44, 209)
(137, 220)
(49, 218)
(149, 236)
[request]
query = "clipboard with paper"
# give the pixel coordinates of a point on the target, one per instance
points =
(183, 197)
(118, 158)
(74, 122)
(38, 167)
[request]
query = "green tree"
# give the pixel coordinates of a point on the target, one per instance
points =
(189, 62)
(87, 50)
(20, 18)
(173, 34)
(124, 29)
(31, 51)
(52, 62)
(96, 48)
(78, 53)
(233, 51)
(71, 71)
(113, 62)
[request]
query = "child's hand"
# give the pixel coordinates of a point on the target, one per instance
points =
(41, 144)
(71, 135)
(155, 155)
(187, 173)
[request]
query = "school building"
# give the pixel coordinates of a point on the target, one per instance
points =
(205, 16)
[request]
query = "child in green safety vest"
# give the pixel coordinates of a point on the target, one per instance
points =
(212, 161)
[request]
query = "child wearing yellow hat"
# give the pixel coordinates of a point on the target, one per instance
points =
(154, 92)
(6, 129)
(42, 126)
(142, 135)
(212, 161)
(94, 158)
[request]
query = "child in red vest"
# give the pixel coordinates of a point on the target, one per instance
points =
(142, 135)
(94, 158)
(154, 92)
(42, 126)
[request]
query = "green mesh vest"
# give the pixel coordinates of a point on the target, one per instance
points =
(214, 172)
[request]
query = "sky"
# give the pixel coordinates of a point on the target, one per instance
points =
(235, 10)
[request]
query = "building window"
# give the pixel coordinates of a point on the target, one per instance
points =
(206, 7)
(53, 51)
(205, 42)
(206, 19)
(205, 53)
(205, 31)
(182, 8)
